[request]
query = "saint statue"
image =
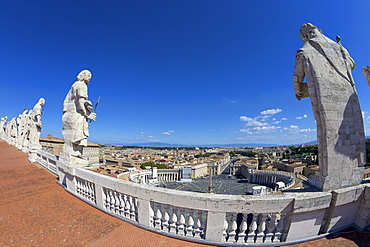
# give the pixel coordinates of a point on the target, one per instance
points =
(366, 72)
(327, 67)
(2, 127)
(35, 126)
(12, 132)
(77, 110)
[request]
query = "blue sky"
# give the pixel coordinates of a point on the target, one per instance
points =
(186, 72)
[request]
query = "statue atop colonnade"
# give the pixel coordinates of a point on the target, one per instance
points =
(77, 110)
(327, 67)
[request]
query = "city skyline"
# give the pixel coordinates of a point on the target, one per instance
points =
(177, 72)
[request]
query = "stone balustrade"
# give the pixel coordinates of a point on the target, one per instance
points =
(223, 219)
(120, 204)
(178, 220)
(254, 228)
(85, 189)
(47, 160)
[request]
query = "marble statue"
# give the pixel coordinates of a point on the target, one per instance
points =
(21, 128)
(366, 72)
(327, 67)
(12, 132)
(2, 127)
(26, 131)
(77, 110)
(35, 130)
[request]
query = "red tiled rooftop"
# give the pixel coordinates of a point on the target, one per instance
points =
(36, 211)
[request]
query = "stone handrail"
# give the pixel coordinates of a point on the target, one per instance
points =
(217, 218)
(47, 160)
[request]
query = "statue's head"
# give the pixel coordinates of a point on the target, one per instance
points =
(41, 101)
(84, 75)
(309, 31)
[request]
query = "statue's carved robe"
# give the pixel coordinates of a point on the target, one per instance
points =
(75, 126)
(327, 67)
(35, 128)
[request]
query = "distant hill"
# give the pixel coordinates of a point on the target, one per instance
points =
(164, 144)
(309, 143)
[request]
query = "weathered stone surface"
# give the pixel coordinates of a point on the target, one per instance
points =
(77, 110)
(327, 67)
(366, 72)
(2, 127)
(35, 126)
(11, 132)
(21, 128)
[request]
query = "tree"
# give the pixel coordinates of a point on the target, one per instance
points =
(152, 164)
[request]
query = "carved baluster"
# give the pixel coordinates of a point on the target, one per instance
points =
(165, 220)
(77, 186)
(158, 220)
(181, 227)
(279, 228)
(85, 189)
(232, 230)
(151, 216)
(117, 202)
(121, 205)
(271, 224)
(88, 191)
(132, 209)
(111, 202)
(108, 200)
(261, 229)
(198, 231)
(92, 192)
(127, 207)
(104, 199)
(189, 227)
(81, 187)
(224, 231)
(252, 229)
(173, 224)
(243, 228)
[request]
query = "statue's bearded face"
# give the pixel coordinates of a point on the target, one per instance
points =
(312, 33)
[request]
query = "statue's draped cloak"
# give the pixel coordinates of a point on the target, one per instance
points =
(75, 126)
(327, 67)
(35, 128)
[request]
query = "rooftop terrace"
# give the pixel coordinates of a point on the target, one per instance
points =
(35, 210)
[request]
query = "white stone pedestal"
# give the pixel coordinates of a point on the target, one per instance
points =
(74, 161)
(32, 155)
(338, 180)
